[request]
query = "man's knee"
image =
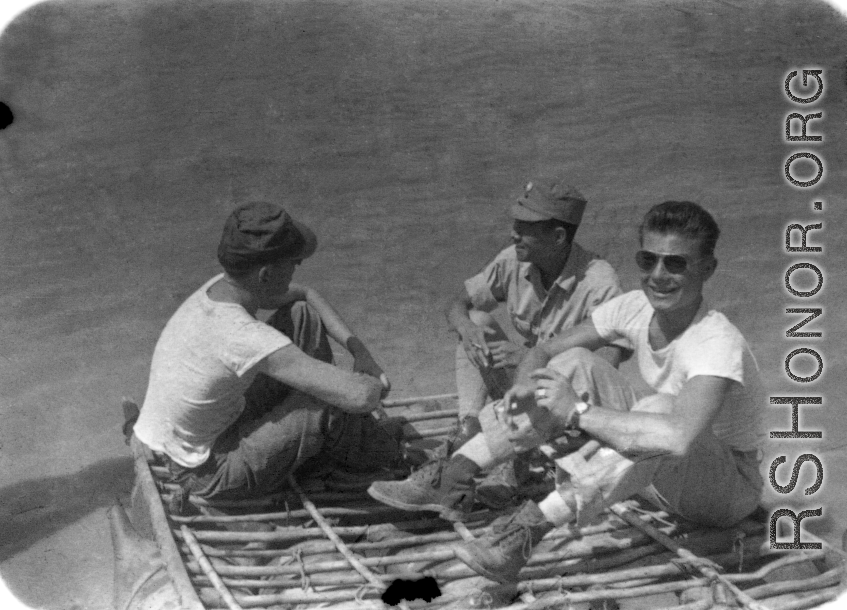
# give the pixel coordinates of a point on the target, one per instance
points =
(302, 323)
(293, 315)
(482, 318)
(576, 358)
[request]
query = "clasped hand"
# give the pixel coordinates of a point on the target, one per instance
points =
(529, 404)
(364, 363)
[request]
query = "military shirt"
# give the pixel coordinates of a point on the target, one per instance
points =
(537, 314)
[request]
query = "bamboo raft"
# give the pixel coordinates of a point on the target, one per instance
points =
(326, 544)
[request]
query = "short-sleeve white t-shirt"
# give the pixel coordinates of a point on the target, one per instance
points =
(711, 345)
(203, 363)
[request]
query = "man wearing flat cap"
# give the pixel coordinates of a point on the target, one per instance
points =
(548, 284)
(234, 404)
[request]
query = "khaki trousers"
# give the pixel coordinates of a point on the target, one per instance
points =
(712, 484)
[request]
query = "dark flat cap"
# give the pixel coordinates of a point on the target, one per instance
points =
(261, 232)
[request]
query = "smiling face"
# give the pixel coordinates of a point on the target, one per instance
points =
(675, 295)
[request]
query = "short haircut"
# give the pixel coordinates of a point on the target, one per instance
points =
(555, 223)
(683, 217)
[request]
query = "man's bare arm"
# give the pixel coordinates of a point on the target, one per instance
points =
(637, 431)
(472, 335)
(583, 335)
(337, 328)
(351, 392)
(334, 324)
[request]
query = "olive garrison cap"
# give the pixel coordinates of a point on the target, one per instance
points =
(261, 232)
(548, 198)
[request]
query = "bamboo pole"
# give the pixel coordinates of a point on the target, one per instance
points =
(375, 510)
(585, 547)
(549, 584)
(615, 550)
(171, 558)
(293, 598)
(541, 584)
(828, 578)
(316, 580)
(292, 533)
(626, 514)
(339, 544)
(208, 570)
(701, 604)
(413, 400)
(540, 559)
(555, 600)
(334, 565)
(811, 601)
(577, 580)
(415, 435)
(417, 417)
(277, 499)
(444, 536)
(552, 601)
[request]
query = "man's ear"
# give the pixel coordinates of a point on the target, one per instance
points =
(264, 273)
(561, 236)
(709, 267)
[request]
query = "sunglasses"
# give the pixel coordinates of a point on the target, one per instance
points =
(673, 263)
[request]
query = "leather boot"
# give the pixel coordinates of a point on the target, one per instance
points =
(500, 488)
(500, 554)
(442, 486)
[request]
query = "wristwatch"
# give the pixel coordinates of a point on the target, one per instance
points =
(579, 409)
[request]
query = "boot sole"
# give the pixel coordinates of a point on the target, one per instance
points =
(468, 559)
(448, 514)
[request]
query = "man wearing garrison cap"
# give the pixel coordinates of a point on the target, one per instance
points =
(547, 282)
(234, 404)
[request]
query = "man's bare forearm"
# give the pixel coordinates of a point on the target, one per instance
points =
(535, 358)
(457, 315)
(333, 322)
(584, 335)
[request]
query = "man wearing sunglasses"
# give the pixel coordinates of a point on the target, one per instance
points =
(691, 446)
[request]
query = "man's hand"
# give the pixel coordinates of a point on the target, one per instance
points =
(519, 411)
(506, 353)
(518, 399)
(554, 391)
(363, 362)
(473, 340)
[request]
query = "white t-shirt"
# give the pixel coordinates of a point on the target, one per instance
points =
(203, 363)
(711, 345)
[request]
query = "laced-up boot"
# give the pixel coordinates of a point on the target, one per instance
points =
(443, 486)
(500, 554)
(500, 488)
(468, 428)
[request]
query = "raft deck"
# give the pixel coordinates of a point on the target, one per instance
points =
(327, 544)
